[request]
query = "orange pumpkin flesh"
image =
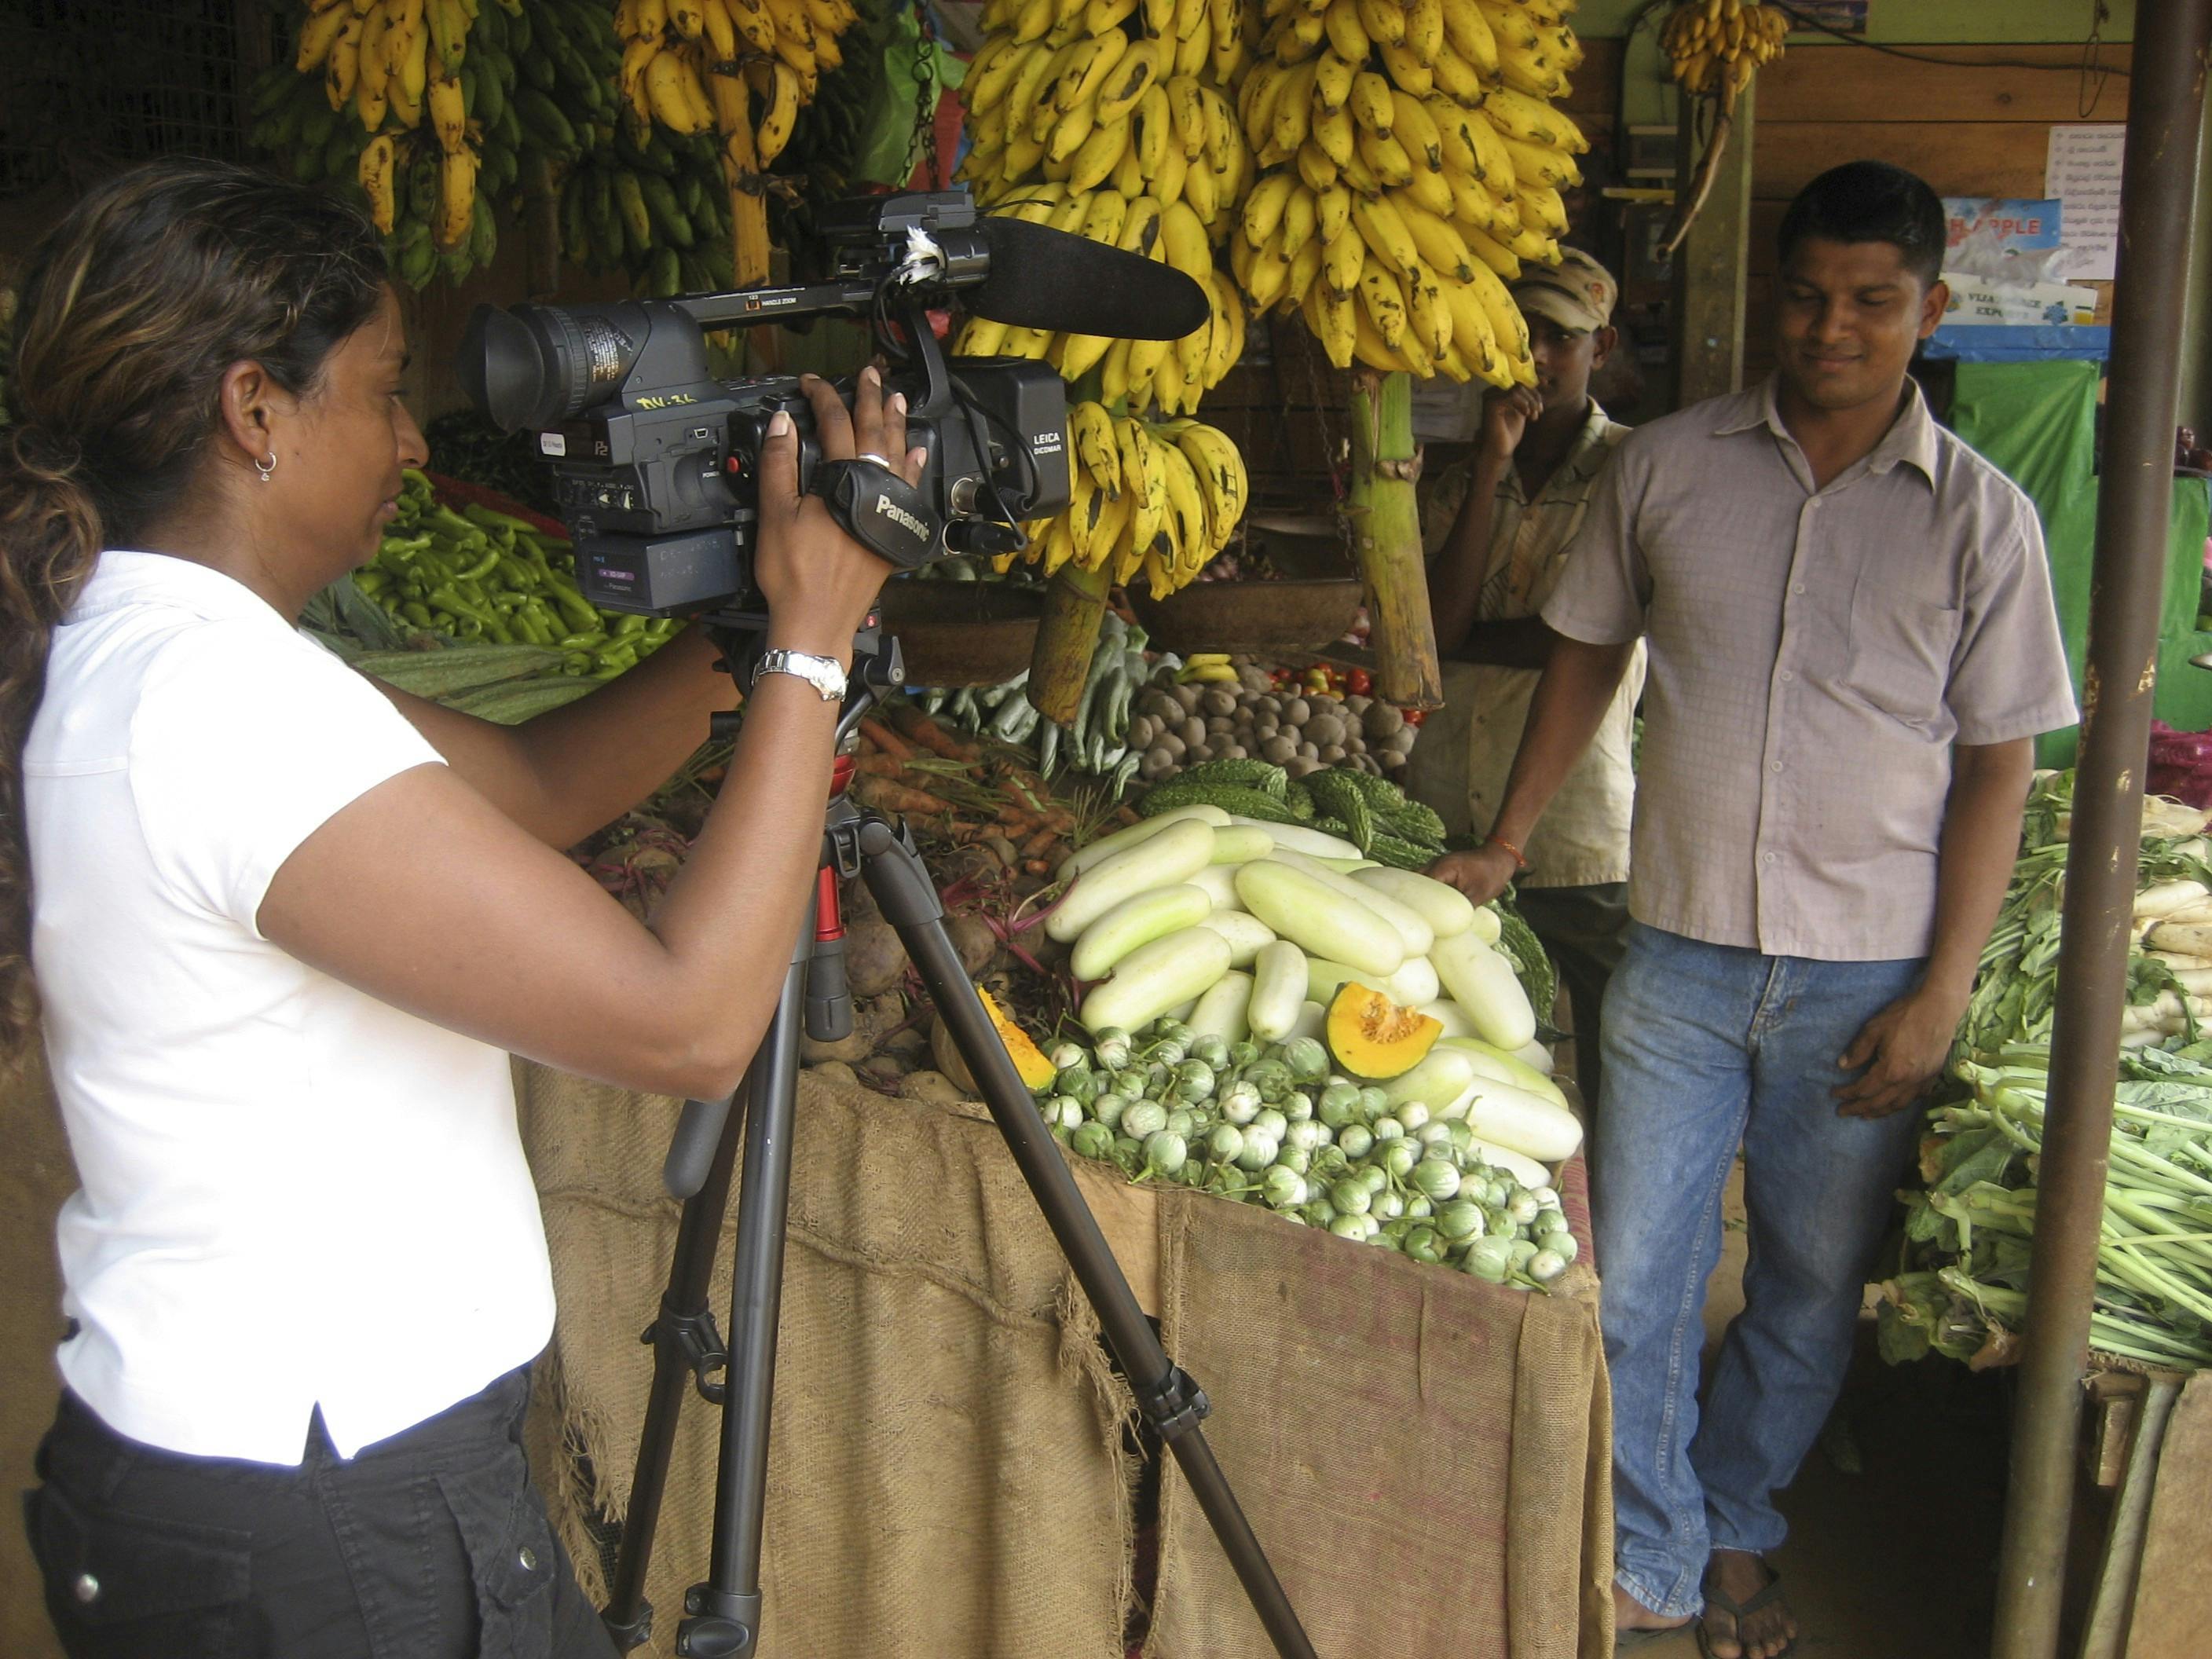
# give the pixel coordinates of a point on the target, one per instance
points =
(1036, 1070)
(1371, 1036)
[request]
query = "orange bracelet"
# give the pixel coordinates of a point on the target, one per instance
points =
(1520, 859)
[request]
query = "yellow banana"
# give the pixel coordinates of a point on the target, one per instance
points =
(1145, 478)
(1386, 158)
(449, 118)
(1542, 209)
(1097, 156)
(1293, 110)
(1332, 212)
(1268, 274)
(1516, 115)
(1430, 190)
(672, 89)
(1407, 70)
(1091, 431)
(1343, 258)
(1416, 131)
(1442, 248)
(1089, 64)
(1383, 20)
(1263, 208)
(1317, 166)
(1385, 234)
(1372, 107)
(775, 125)
(1347, 36)
(1533, 164)
(457, 199)
(1451, 76)
(1492, 252)
(1152, 129)
(1297, 220)
(342, 66)
(1130, 77)
(1219, 470)
(379, 158)
(1187, 104)
(318, 33)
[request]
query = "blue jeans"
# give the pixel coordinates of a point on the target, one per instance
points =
(1709, 1047)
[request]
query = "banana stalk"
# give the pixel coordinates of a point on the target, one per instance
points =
(1386, 541)
(1074, 609)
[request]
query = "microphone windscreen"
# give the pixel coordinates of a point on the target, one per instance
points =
(1040, 277)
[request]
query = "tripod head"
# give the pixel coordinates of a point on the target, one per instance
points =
(878, 669)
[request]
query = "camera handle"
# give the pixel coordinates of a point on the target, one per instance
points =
(723, 1614)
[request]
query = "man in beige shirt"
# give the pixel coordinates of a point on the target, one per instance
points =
(1853, 649)
(1498, 529)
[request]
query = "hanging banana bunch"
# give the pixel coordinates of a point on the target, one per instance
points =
(1152, 498)
(424, 110)
(1715, 47)
(1416, 164)
(1107, 117)
(739, 69)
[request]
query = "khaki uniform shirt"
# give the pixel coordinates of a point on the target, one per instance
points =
(1460, 765)
(1815, 653)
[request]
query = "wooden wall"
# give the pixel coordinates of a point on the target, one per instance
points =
(1967, 128)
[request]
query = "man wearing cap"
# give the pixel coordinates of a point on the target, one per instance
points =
(1494, 558)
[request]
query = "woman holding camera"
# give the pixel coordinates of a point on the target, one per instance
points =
(288, 925)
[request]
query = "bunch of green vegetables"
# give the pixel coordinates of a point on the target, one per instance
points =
(1368, 810)
(1964, 1291)
(1269, 1124)
(2169, 976)
(480, 576)
(1097, 742)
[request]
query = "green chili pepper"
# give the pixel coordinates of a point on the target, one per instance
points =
(628, 623)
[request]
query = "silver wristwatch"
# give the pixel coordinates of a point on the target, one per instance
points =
(822, 674)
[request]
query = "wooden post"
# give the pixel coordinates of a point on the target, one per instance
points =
(1709, 267)
(1386, 541)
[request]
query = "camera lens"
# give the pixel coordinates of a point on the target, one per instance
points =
(538, 365)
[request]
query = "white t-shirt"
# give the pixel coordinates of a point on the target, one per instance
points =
(293, 1194)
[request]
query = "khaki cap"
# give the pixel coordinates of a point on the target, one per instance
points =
(1577, 293)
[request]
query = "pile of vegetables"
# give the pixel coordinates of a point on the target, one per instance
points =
(1249, 926)
(1097, 742)
(1268, 1122)
(2170, 971)
(1282, 718)
(1964, 1291)
(1371, 813)
(476, 574)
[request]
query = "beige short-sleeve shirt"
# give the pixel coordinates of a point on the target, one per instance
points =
(1814, 654)
(1459, 766)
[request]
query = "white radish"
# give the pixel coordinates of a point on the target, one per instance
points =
(1313, 1021)
(1522, 1167)
(1122, 840)
(1223, 1009)
(1413, 984)
(1443, 906)
(1175, 854)
(1502, 1068)
(1449, 1015)
(1306, 910)
(1524, 1122)
(2169, 896)
(1247, 935)
(1482, 981)
(1136, 922)
(1312, 842)
(1279, 991)
(1219, 881)
(1489, 925)
(1414, 931)
(1240, 845)
(1537, 1056)
(1437, 1082)
(2184, 938)
(1155, 978)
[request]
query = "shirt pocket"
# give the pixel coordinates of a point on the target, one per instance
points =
(1901, 643)
(119, 1586)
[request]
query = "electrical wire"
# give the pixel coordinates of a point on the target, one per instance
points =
(1803, 20)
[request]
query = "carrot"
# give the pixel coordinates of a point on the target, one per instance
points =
(926, 733)
(887, 796)
(1041, 843)
(883, 765)
(886, 739)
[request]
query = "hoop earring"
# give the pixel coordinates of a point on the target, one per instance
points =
(266, 468)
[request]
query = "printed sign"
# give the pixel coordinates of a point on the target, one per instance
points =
(2082, 169)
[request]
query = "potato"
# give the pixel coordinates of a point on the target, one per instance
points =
(1296, 712)
(1159, 705)
(1266, 727)
(1172, 742)
(1381, 719)
(1322, 703)
(1278, 749)
(875, 961)
(1199, 754)
(1401, 742)
(1218, 700)
(1142, 729)
(1188, 696)
(1366, 763)
(1331, 753)
(1269, 704)
(1218, 726)
(1354, 743)
(1155, 765)
(1310, 750)
(1234, 751)
(1325, 729)
(1390, 760)
(1254, 680)
(1192, 730)
(1356, 704)
(973, 941)
(1299, 765)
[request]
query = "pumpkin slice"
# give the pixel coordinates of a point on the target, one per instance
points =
(1372, 1036)
(1036, 1071)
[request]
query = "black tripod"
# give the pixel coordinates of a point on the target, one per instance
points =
(722, 1615)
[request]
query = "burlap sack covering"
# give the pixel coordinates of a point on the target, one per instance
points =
(946, 1474)
(1426, 1458)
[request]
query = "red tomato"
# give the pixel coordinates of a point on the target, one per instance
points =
(1360, 681)
(1415, 717)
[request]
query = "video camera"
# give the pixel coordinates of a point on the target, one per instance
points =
(656, 461)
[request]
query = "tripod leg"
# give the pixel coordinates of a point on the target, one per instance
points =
(723, 1615)
(1167, 1397)
(683, 1339)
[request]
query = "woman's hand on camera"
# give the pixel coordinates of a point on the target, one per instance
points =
(818, 581)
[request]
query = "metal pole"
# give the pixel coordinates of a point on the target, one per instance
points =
(2165, 109)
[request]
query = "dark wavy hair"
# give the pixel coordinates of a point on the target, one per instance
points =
(1871, 202)
(131, 310)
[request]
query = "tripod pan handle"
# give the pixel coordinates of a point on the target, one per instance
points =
(691, 1149)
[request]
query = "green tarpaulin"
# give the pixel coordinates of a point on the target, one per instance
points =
(2038, 422)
